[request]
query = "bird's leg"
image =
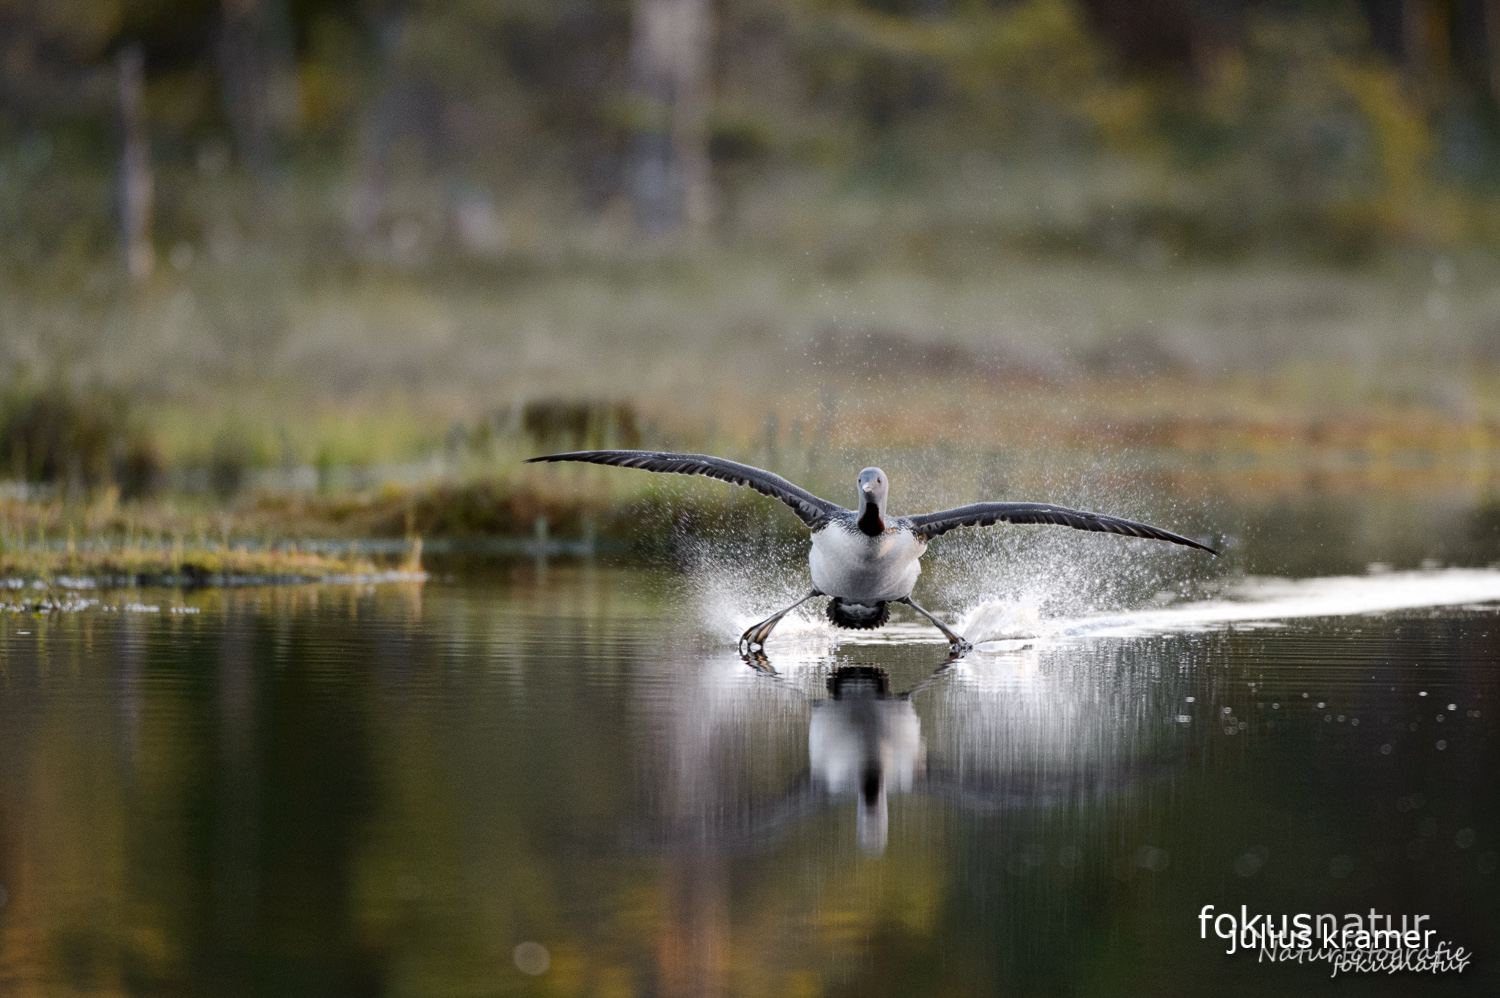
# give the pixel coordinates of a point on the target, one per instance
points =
(755, 638)
(955, 641)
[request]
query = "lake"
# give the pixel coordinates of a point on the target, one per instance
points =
(560, 778)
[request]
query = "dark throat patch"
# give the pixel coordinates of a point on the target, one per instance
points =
(870, 522)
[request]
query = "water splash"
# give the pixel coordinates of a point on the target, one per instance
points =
(1061, 573)
(735, 585)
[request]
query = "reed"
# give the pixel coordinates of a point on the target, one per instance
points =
(101, 561)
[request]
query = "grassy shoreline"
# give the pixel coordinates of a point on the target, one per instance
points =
(510, 511)
(102, 562)
(381, 367)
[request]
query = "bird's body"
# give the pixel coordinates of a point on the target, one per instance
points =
(848, 563)
(862, 558)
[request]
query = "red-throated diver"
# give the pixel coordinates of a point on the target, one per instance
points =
(864, 559)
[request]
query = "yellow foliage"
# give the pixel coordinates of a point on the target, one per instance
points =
(1035, 49)
(84, 28)
(1042, 43)
(326, 93)
(1402, 137)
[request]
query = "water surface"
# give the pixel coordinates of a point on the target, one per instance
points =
(566, 782)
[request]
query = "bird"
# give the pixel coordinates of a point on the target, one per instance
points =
(864, 559)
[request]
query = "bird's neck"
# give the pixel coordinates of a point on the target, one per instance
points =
(870, 521)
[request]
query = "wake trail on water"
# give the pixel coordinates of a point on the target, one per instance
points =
(1253, 601)
(1248, 601)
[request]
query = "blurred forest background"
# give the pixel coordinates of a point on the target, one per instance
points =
(264, 254)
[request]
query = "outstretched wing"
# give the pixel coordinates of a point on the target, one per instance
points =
(813, 511)
(982, 514)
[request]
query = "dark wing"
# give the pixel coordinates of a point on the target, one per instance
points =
(982, 514)
(1008, 790)
(813, 511)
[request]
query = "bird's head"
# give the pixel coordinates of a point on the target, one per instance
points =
(873, 488)
(873, 824)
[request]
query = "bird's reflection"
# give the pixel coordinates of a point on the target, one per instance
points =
(1006, 737)
(864, 741)
(1044, 735)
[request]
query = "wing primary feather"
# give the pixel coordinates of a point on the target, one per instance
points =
(812, 510)
(984, 514)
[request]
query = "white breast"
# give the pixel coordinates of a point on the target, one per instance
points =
(847, 739)
(854, 566)
(846, 736)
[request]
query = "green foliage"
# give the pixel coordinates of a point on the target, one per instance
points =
(80, 440)
(487, 507)
(1288, 133)
(228, 463)
(1303, 138)
(555, 422)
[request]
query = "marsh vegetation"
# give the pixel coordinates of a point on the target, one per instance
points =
(391, 254)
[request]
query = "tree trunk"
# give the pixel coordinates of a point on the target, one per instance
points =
(1426, 30)
(136, 186)
(1492, 46)
(242, 65)
(259, 78)
(668, 174)
(692, 958)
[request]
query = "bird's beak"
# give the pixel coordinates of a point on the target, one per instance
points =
(868, 487)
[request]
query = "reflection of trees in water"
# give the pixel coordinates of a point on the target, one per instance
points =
(375, 785)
